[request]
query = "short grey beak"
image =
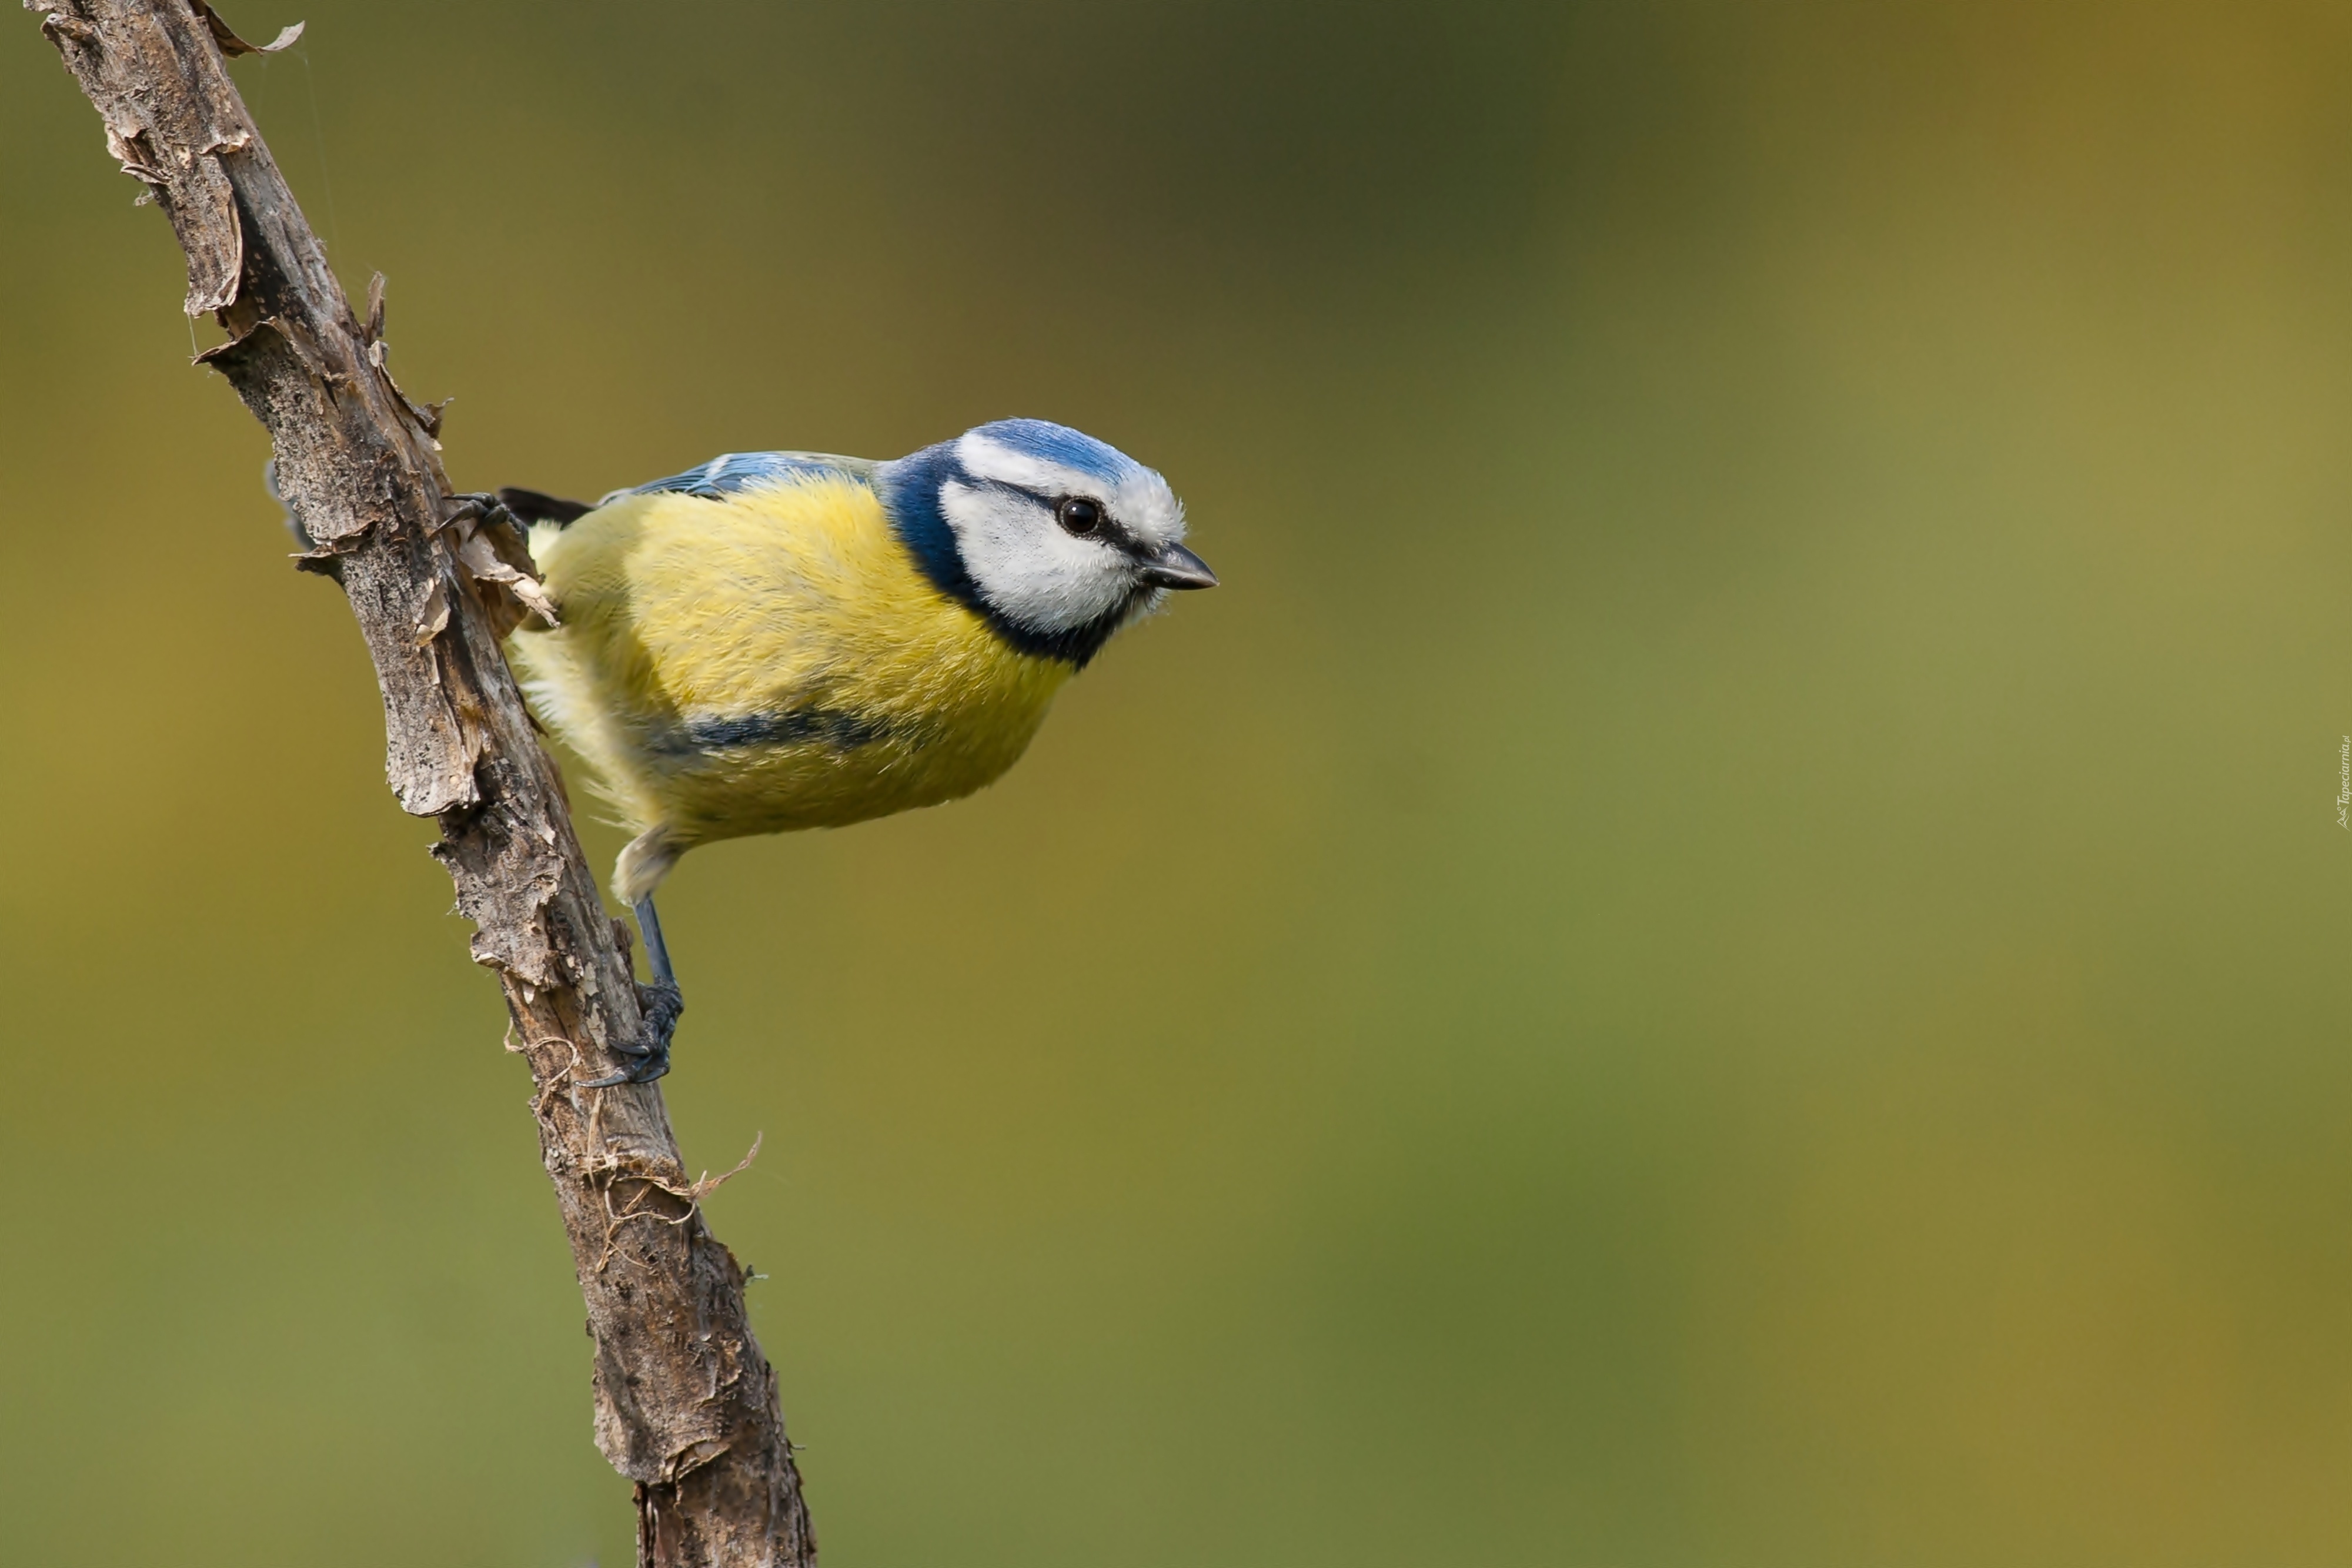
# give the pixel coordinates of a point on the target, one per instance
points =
(1176, 567)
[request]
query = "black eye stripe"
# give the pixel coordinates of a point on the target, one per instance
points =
(1108, 530)
(1105, 527)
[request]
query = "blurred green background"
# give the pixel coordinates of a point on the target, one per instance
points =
(1726, 947)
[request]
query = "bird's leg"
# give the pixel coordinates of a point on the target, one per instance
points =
(659, 1004)
(662, 1001)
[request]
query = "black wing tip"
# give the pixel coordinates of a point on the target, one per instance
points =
(533, 507)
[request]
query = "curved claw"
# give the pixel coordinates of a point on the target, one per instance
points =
(655, 1064)
(482, 505)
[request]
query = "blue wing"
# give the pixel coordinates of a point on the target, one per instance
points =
(724, 475)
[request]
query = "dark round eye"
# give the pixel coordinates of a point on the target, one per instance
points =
(1078, 516)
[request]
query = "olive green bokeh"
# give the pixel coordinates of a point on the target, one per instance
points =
(1724, 948)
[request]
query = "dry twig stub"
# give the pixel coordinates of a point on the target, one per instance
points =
(685, 1401)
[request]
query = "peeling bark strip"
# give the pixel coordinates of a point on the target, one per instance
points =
(686, 1403)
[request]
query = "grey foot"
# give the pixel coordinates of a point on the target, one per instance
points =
(660, 1003)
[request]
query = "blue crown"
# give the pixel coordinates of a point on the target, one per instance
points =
(1051, 443)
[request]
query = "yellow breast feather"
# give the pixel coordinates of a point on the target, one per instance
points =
(768, 661)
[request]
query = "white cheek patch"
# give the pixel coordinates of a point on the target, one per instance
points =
(1026, 566)
(1139, 499)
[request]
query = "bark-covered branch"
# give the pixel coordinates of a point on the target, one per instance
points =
(686, 1403)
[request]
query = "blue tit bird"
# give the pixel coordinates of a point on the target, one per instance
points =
(786, 639)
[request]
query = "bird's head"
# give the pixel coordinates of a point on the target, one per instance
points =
(1057, 538)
